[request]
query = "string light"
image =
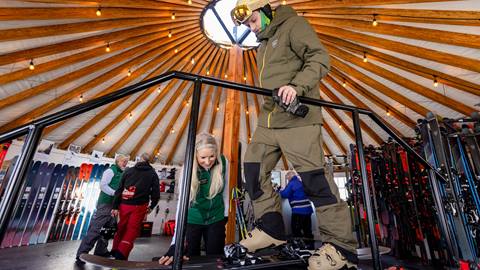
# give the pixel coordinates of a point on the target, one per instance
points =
(129, 73)
(169, 34)
(246, 111)
(374, 21)
(107, 49)
(31, 66)
(249, 139)
(226, 76)
(245, 78)
(388, 112)
(435, 82)
(99, 12)
(187, 104)
(159, 90)
(284, 2)
(193, 61)
(130, 116)
(218, 108)
(103, 140)
(208, 72)
(189, 2)
(172, 130)
(365, 57)
(344, 84)
(176, 51)
(80, 98)
(173, 15)
(340, 126)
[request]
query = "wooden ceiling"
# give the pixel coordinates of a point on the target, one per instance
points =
(389, 68)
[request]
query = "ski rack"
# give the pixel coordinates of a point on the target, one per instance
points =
(33, 132)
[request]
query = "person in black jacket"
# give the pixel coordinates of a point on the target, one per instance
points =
(138, 186)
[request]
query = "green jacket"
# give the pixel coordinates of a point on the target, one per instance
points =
(205, 211)
(290, 53)
(104, 198)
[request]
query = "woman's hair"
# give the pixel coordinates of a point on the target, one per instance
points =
(205, 140)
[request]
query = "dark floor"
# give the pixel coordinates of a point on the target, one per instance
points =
(61, 255)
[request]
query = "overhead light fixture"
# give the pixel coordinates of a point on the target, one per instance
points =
(31, 66)
(173, 15)
(80, 98)
(388, 112)
(226, 76)
(246, 111)
(374, 21)
(340, 126)
(208, 72)
(189, 2)
(99, 12)
(159, 90)
(365, 57)
(193, 61)
(103, 140)
(435, 82)
(245, 78)
(284, 2)
(172, 130)
(107, 49)
(129, 73)
(218, 108)
(170, 34)
(344, 84)
(176, 51)
(130, 116)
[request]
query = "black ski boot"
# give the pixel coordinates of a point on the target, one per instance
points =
(236, 254)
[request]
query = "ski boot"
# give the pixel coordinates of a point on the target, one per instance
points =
(295, 249)
(238, 255)
(327, 257)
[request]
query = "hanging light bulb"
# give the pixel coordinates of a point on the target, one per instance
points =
(365, 57)
(176, 51)
(99, 12)
(129, 73)
(130, 116)
(284, 2)
(187, 104)
(218, 108)
(249, 139)
(193, 61)
(344, 84)
(103, 140)
(173, 15)
(388, 112)
(172, 130)
(189, 2)
(374, 21)
(80, 98)
(170, 34)
(226, 76)
(208, 72)
(340, 126)
(159, 90)
(107, 49)
(435, 82)
(31, 66)
(245, 78)
(246, 111)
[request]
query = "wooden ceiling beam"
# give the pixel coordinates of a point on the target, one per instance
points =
(349, 3)
(218, 96)
(154, 47)
(432, 55)
(357, 102)
(252, 71)
(379, 87)
(81, 27)
(153, 4)
(419, 70)
(370, 96)
(198, 67)
(9, 14)
(112, 124)
(86, 55)
(144, 69)
(334, 137)
(416, 33)
(80, 43)
(204, 47)
(402, 81)
(363, 126)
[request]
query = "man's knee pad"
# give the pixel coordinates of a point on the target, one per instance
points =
(252, 179)
(316, 187)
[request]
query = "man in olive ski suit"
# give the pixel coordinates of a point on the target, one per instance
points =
(290, 57)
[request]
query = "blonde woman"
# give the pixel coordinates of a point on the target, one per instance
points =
(208, 201)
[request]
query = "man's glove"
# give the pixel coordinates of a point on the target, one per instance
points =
(295, 107)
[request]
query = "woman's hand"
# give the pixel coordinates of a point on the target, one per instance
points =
(167, 260)
(114, 212)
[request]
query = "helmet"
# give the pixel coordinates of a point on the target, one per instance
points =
(245, 8)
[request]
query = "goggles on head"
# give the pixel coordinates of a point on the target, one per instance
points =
(240, 14)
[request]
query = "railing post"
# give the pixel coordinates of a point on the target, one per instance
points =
(366, 191)
(187, 177)
(13, 191)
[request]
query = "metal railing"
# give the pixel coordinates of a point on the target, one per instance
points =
(33, 130)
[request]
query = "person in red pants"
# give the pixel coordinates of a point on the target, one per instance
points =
(138, 186)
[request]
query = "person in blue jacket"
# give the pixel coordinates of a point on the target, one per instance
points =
(302, 210)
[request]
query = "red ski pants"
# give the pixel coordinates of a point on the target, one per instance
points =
(128, 228)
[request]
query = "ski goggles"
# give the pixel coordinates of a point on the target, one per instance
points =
(240, 14)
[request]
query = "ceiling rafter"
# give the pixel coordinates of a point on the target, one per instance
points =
(252, 71)
(151, 46)
(349, 3)
(429, 54)
(218, 96)
(334, 137)
(154, 49)
(155, 4)
(405, 65)
(402, 81)
(91, 41)
(370, 96)
(363, 125)
(85, 55)
(342, 125)
(200, 64)
(203, 46)
(352, 72)
(187, 41)
(90, 13)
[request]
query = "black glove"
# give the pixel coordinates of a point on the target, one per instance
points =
(295, 107)
(170, 251)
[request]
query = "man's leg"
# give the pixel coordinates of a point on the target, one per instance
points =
(296, 225)
(100, 218)
(124, 215)
(306, 223)
(303, 148)
(137, 214)
(260, 158)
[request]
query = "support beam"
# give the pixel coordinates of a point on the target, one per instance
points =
(334, 137)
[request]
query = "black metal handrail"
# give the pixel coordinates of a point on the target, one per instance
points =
(34, 129)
